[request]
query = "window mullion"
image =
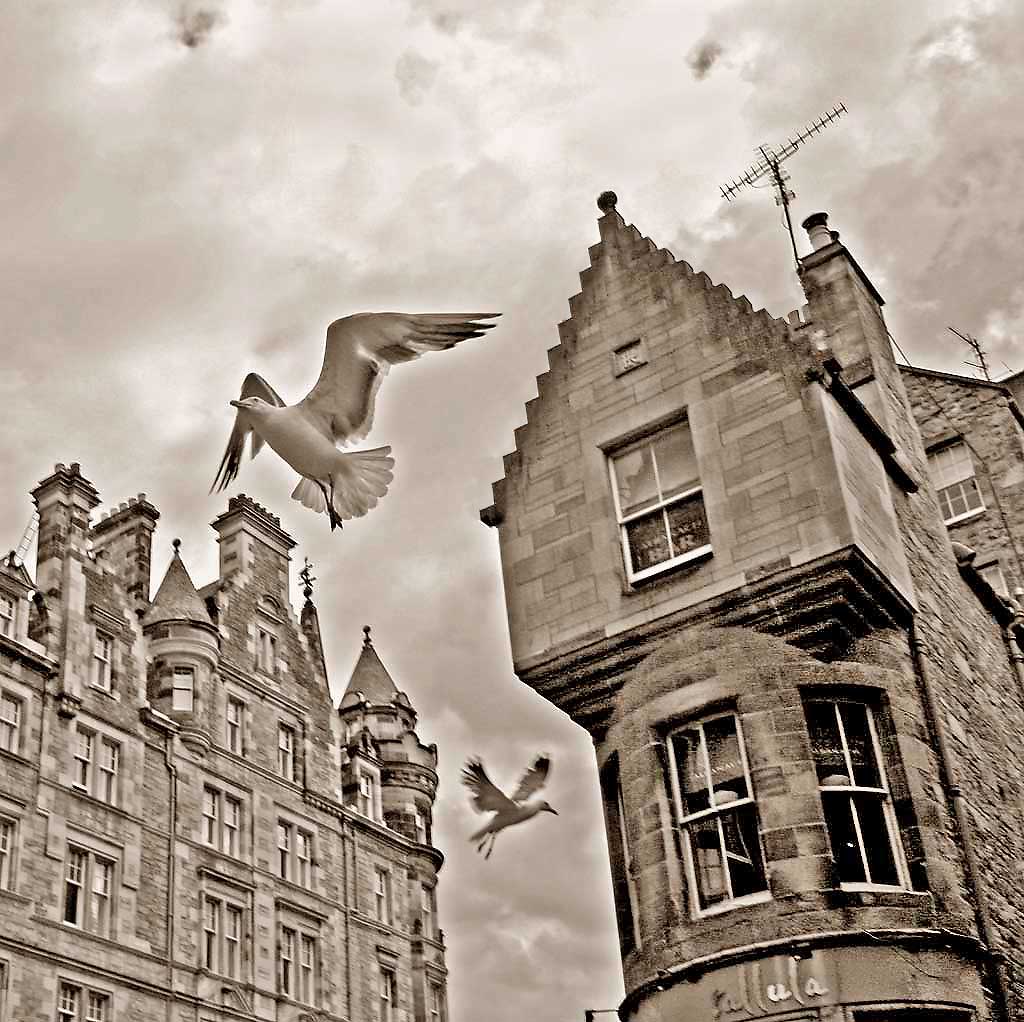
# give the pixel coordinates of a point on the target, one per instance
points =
(860, 841)
(726, 872)
(846, 745)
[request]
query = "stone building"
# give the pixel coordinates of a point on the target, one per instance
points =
(190, 829)
(729, 555)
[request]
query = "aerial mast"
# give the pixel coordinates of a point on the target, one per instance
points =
(770, 166)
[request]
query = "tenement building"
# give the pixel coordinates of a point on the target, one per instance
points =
(771, 572)
(190, 829)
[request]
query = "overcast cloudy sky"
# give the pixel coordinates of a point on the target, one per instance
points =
(194, 190)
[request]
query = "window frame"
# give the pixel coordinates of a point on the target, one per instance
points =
(716, 812)
(883, 793)
(286, 753)
(9, 622)
(8, 851)
(86, 1000)
(11, 725)
(660, 504)
(428, 910)
(86, 916)
(183, 671)
(221, 951)
(96, 771)
(266, 650)
(234, 730)
(941, 493)
(101, 674)
(438, 1009)
(383, 908)
(222, 829)
(294, 979)
(387, 993)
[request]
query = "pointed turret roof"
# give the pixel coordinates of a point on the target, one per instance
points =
(370, 679)
(177, 598)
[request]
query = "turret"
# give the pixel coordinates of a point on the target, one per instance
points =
(388, 775)
(184, 650)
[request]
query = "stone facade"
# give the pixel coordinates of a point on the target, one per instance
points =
(179, 838)
(724, 556)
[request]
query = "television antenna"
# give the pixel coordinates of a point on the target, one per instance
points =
(769, 166)
(975, 345)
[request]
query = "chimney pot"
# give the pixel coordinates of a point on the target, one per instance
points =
(816, 226)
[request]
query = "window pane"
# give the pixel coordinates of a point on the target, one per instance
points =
(677, 464)
(634, 480)
(743, 851)
(845, 849)
(693, 784)
(877, 846)
(707, 861)
(862, 749)
(648, 541)
(688, 525)
(826, 744)
(727, 776)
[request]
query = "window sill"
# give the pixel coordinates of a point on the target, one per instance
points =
(690, 559)
(965, 517)
(737, 903)
(6, 892)
(108, 692)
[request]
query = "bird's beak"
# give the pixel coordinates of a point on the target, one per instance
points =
(550, 810)
(236, 404)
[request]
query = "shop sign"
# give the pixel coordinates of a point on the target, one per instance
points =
(754, 989)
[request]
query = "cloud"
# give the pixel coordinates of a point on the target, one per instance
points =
(415, 75)
(702, 58)
(195, 25)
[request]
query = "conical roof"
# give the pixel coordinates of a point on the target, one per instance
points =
(177, 598)
(370, 678)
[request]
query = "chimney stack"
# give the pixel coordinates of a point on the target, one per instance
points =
(125, 536)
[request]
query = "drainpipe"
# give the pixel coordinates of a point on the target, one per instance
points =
(983, 918)
(172, 778)
(350, 870)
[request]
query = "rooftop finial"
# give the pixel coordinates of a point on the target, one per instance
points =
(366, 635)
(176, 543)
(308, 578)
(606, 201)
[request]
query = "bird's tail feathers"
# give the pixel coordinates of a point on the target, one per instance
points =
(361, 479)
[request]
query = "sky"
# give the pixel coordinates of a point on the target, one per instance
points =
(193, 190)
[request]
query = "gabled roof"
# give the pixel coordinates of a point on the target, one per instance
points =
(177, 598)
(370, 679)
(15, 570)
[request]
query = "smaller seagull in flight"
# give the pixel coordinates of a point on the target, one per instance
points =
(339, 409)
(487, 798)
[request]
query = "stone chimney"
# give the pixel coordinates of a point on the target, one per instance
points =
(252, 543)
(64, 501)
(125, 535)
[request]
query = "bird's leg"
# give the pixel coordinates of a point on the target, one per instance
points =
(490, 849)
(331, 513)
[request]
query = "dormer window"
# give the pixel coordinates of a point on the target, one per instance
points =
(659, 502)
(183, 690)
(366, 795)
(102, 661)
(8, 612)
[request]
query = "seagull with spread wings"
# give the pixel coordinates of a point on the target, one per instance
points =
(339, 409)
(487, 798)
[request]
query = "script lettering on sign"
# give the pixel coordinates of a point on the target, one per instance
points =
(759, 988)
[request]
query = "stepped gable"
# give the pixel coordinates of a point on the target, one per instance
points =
(633, 287)
(177, 598)
(370, 680)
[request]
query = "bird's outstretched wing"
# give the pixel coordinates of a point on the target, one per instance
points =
(252, 386)
(362, 348)
(486, 798)
(533, 780)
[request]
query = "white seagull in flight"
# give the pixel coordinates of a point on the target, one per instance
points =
(339, 409)
(486, 798)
